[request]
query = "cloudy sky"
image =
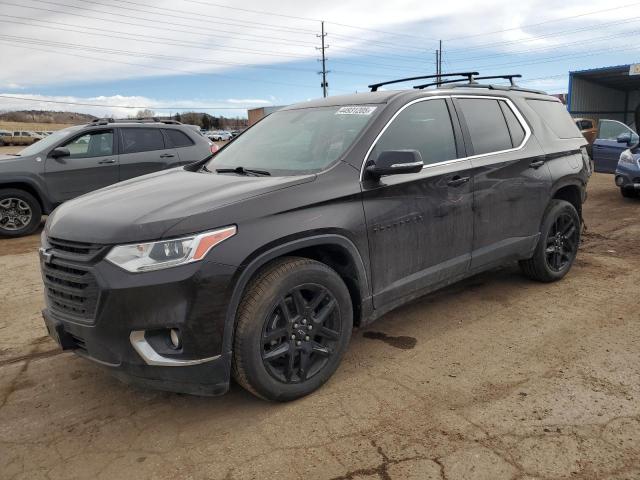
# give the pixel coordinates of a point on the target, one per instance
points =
(178, 55)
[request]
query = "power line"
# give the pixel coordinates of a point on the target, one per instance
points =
(547, 35)
(551, 47)
(129, 35)
(224, 21)
(36, 100)
(76, 46)
(310, 19)
(153, 67)
(570, 17)
(261, 37)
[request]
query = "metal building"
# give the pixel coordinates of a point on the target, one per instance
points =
(609, 92)
(259, 113)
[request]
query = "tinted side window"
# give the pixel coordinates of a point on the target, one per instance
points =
(487, 126)
(515, 127)
(141, 140)
(556, 117)
(176, 139)
(423, 126)
(610, 130)
(94, 144)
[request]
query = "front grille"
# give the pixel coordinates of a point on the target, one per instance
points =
(75, 250)
(71, 289)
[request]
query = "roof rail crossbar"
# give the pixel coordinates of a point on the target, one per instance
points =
(444, 82)
(502, 77)
(469, 76)
(105, 121)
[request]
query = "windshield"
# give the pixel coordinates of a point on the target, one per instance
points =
(47, 141)
(294, 142)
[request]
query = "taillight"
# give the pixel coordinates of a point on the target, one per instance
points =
(214, 148)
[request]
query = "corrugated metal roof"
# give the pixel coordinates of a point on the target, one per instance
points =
(613, 77)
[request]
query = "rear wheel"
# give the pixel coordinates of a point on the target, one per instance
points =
(558, 244)
(293, 326)
(629, 192)
(20, 213)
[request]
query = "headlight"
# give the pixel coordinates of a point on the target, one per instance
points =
(627, 157)
(143, 257)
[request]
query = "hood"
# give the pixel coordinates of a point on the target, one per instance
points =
(144, 208)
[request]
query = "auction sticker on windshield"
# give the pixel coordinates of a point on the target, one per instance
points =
(355, 110)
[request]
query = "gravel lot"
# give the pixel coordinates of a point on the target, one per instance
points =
(495, 378)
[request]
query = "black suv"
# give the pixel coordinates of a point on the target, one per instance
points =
(80, 159)
(258, 262)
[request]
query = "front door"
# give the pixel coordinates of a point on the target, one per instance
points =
(92, 164)
(606, 149)
(420, 226)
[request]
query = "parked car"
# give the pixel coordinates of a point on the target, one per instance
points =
(5, 136)
(235, 133)
(258, 262)
(21, 138)
(219, 136)
(80, 159)
(628, 170)
(613, 138)
(588, 128)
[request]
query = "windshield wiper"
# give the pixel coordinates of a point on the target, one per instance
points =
(244, 171)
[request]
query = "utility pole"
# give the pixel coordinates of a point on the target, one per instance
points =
(437, 65)
(324, 71)
(440, 60)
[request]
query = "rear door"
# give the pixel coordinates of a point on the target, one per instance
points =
(606, 149)
(511, 182)
(93, 164)
(188, 151)
(143, 150)
(420, 226)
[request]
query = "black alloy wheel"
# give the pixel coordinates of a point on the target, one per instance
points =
(300, 333)
(558, 243)
(562, 242)
(293, 326)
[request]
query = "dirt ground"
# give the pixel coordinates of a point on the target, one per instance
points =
(39, 127)
(496, 378)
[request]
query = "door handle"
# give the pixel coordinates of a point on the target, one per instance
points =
(458, 180)
(537, 164)
(106, 161)
(167, 155)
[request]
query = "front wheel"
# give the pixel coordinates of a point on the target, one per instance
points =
(20, 213)
(558, 243)
(628, 192)
(293, 327)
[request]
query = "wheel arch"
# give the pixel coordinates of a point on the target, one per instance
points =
(336, 251)
(30, 187)
(570, 191)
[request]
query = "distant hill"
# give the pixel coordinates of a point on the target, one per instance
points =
(41, 116)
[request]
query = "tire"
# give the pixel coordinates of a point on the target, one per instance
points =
(558, 244)
(629, 192)
(267, 361)
(13, 202)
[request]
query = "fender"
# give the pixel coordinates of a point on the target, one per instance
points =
(572, 180)
(47, 207)
(281, 250)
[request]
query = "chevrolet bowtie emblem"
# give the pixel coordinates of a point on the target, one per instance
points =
(46, 255)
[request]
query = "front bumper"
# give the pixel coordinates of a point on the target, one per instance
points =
(627, 176)
(127, 317)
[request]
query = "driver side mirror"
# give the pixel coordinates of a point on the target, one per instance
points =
(59, 152)
(393, 162)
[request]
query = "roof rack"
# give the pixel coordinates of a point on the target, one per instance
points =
(106, 121)
(468, 76)
(502, 77)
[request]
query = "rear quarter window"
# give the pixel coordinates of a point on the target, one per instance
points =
(177, 139)
(556, 117)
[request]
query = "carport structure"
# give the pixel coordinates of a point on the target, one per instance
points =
(608, 92)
